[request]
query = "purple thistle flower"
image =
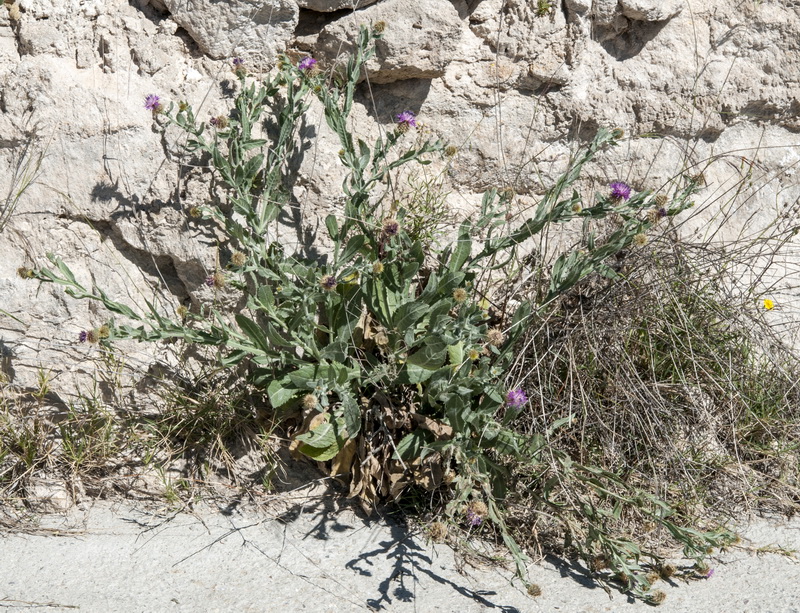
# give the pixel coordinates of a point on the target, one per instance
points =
(210, 281)
(391, 227)
(328, 283)
(710, 573)
(213, 121)
(516, 399)
(152, 103)
(237, 61)
(661, 213)
(406, 119)
(82, 336)
(473, 519)
(620, 190)
(307, 63)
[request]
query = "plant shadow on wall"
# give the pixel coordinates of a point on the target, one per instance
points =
(480, 389)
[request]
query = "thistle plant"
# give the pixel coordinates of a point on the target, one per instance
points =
(386, 343)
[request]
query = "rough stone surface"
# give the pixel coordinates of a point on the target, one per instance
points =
(420, 40)
(715, 89)
(651, 10)
(329, 6)
(236, 27)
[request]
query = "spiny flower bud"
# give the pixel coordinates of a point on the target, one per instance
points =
(328, 283)
(309, 402)
(377, 268)
(476, 512)
(391, 227)
(238, 259)
(459, 295)
(379, 27)
(25, 273)
(640, 239)
(238, 67)
(182, 312)
(438, 531)
(104, 331)
(495, 337)
(534, 590)
(450, 151)
(667, 571)
(217, 280)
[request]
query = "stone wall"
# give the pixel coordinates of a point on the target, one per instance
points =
(697, 85)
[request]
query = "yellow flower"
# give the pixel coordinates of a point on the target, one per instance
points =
(768, 304)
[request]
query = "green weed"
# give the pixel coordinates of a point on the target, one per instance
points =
(387, 360)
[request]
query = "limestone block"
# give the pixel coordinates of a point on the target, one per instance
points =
(328, 6)
(239, 27)
(420, 39)
(651, 10)
(578, 6)
(37, 37)
(604, 11)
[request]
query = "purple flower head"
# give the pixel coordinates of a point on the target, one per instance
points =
(328, 283)
(82, 336)
(213, 121)
(307, 63)
(391, 227)
(210, 281)
(710, 573)
(406, 119)
(620, 190)
(661, 212)
(473, 519)
(237, 62)
(152, 103)
(516, 399)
